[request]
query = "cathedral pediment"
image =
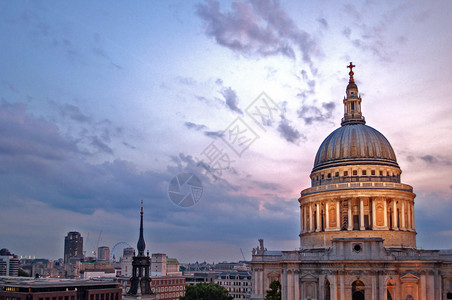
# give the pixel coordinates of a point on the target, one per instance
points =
(410, 276)
(308, 277)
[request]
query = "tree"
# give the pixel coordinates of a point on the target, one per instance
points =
(274, 293)
(204, 291)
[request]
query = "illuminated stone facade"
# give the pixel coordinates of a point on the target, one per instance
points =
(357, 237)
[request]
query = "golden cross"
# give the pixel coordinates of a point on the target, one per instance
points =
(351, 66)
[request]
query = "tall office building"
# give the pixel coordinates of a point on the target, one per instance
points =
(103, 253)
(73, 246)
(9, 263)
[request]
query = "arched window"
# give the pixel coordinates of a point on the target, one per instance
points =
(390, 290)
(358, 290)
(327, 291)
(409, 297)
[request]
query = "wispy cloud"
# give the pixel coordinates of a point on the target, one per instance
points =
(288, 132)
(231, 99)
(259, 28)
(311, 113)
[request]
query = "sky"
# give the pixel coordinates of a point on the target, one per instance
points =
(103, 104)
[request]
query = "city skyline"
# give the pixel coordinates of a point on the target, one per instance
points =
(103, 104)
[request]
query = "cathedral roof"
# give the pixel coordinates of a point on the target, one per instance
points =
(354, 144)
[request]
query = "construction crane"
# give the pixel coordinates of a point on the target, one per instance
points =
(97, 245)
(244, 259)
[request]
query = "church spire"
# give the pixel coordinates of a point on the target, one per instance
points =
(352, 103)
(141, 245)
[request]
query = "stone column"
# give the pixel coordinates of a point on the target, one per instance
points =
(403, 226)
(381, 285)
(290, 286)
(321, 293)
(394, 215)
(409, 215)
(350, 220)
(318, 217)
(413, 226)
(302, 219)
(385, 215)
(374, 223)
(375, 295)
(284, 284)
(423, 288)
(261, 282)
(305, 217)
(338, 216)
(361, 214)
(342, 288)
(333, 287)
(311, 219)
(327, 214)
(297, 286)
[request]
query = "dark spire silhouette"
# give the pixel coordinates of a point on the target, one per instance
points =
(141, 245)
(140, 283)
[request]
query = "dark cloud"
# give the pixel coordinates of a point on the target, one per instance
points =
(129, 146)
(311, 114)
(71, 111)
(40, 166)
(254, 27)
(22, 135)
(433, 225)
(100, 145)
(288, 132)
(429, 159)
(373, 38)
(435, 160)
(194, 126)
(232, 101)
(323, 23)
(204, 129)
(214, 134)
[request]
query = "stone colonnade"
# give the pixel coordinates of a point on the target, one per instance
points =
(361, 213)
(341, 285)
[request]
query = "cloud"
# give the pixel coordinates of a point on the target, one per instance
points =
(288, 132)
(70, 111)
(24, 136)
(214, 134)
(311, 114)
(100, 145)
(194, 126)
(435, 160)
(374, 38)
(204, 129)
(256, 28)
(231, 99)
(323, 23)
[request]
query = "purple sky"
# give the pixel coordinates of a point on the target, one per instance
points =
(103, 103)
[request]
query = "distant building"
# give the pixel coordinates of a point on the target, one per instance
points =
(172, 267)
(103, 253)
(126, 262)
(97, 269)
(9, 263)
(168, 287)
(27, 288)
(158, 264)
(73, 246)
(200, 277)
(238, 284)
